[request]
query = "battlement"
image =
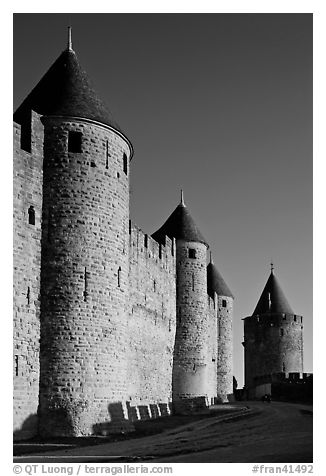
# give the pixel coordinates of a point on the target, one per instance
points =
(152, 318)
(273, 319)
(142, 243)
(284, 377)
(28, 136)
(109, 359)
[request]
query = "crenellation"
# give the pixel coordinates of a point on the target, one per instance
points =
(273, 337)
(152, 320)
(144, 243)
(108, 327)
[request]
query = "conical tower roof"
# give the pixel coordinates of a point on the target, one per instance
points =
(181, 226)
(215, 282)
(65, 90)
(272, 299)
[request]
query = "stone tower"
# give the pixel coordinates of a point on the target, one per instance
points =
(218, 290)
(190, 370)
(273, 336)
(85, 254)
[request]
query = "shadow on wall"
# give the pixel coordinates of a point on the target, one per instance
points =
(148, 412)
(29, 428)
(121, 419)
(123, 416)
(118, 422)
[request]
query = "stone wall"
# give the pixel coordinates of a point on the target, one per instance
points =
(225, 348)
(84, 281)
(27, 183)
(272, 343)
(190, 368)
(212, 357)
(152, 321)
(109, 326)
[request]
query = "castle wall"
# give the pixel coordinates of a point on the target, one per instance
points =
(212, 357)
(273, 343)
(152, 321)
(27, 182)
(225, 348)
(84, 282)
(190, 367)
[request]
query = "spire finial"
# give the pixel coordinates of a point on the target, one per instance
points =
(182, 200)
(69, 47)
(272, 267)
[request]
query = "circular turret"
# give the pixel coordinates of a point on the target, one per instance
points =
(218, 290)
(273, 336)
(189, 380)
(85, 255)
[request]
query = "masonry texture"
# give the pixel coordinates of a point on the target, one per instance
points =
(111, 325)
(84, 284)
(152, 323)
(27, 208)
(190, 372)
(273, 338)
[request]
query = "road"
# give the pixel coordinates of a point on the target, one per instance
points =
(281, 433)
(273, 433)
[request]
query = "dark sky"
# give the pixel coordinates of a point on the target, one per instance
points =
(219, 105)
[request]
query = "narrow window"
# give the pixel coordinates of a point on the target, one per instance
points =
(74, 141)
(119, 277)
(28, 295)
(193, 281)
(154, 286)
(295, 318)
(16, 365)
(224, 303)
(85, 284)
(192, 253)
(169, 325)
(31, 215)
(301, 319)
(282, 332)
(160, 251)
(283, 367)
(107, 155)
(257, 318)
(179, 315)
(125, 164)
(146, 241)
